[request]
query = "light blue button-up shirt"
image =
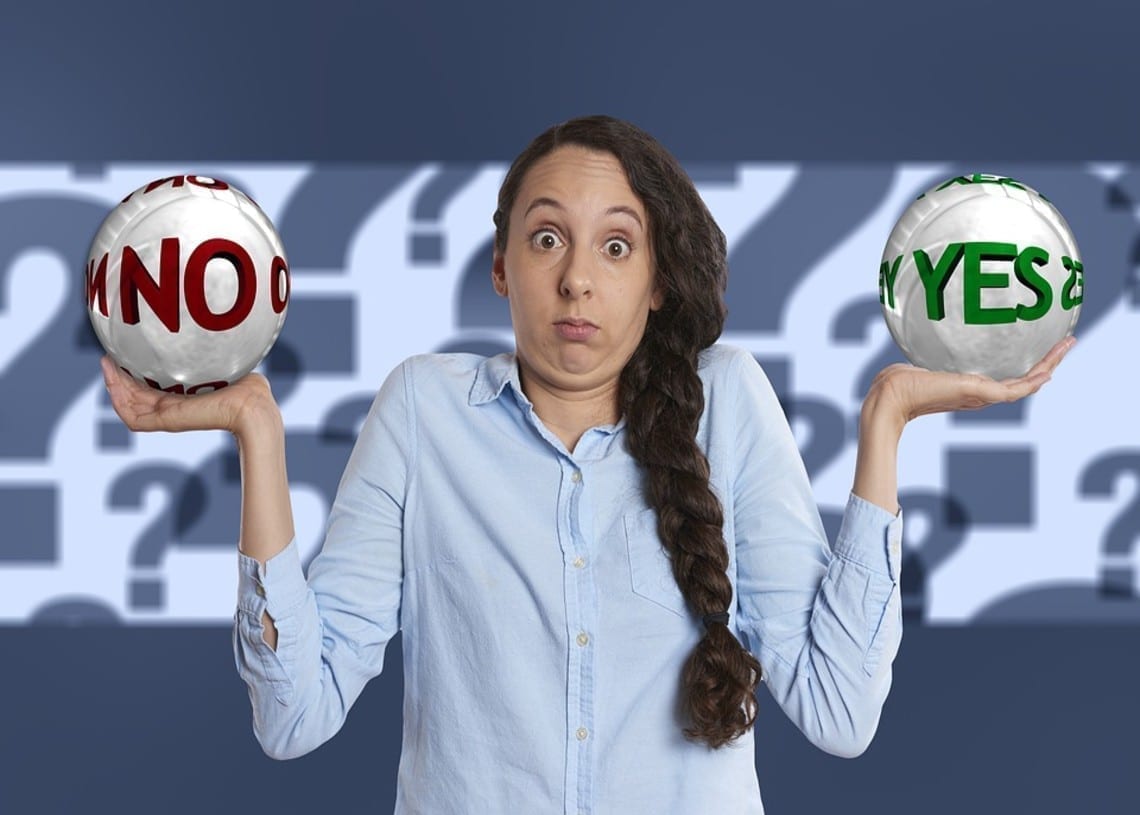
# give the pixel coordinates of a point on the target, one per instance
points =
(543, 631)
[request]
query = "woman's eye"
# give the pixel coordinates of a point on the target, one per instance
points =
(546, 239)
(617, 248)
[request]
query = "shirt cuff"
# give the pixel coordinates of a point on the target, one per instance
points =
(871, 536)
(278, 587)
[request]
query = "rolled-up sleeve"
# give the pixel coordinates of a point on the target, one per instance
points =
(334, 626)
(824, 622)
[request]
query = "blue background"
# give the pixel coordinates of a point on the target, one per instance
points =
(980, 719)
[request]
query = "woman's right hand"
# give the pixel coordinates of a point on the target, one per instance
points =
(143, 408)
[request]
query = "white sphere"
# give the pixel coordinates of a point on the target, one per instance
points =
(187, 284)
(981, 274)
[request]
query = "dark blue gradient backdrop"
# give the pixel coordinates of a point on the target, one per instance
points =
(980, 719)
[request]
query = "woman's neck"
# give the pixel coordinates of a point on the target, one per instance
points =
(569, 414)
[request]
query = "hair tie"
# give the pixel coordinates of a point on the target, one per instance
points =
(717, 617)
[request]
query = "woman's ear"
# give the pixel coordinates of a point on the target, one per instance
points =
(658, 298)
(499, 274)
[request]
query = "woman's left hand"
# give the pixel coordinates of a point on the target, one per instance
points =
(913, 391)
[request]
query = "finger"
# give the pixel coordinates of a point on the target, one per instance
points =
(108, 370)
(1052, 359)
(133, 402)
(114, 376)
(1042, 372)
(974, 391)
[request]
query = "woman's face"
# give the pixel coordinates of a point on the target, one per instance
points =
(578, 272)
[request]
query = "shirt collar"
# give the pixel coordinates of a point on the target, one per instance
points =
(495, 373)
(492, 376)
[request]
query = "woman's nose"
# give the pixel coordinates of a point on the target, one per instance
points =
(577, 276)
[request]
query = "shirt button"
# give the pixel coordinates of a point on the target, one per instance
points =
(583, 638)
(260, 589)
(579, 562)
(576, 476)
(582, 734)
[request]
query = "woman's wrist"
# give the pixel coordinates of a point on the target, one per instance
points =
(258, 416)
(881, 414)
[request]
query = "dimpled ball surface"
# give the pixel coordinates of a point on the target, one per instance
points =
(192, 333)
(995, 210)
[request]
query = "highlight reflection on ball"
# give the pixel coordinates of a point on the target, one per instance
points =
(187, 285)
(981, 274)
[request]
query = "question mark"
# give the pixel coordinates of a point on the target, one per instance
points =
(481, 311)
(1099, 479)
(325, 452)
(822, 207)
(186, 498)
(854, 324)
(993, 482)
(426, 242)
(778, 252)
(45, 376)
(944, 515)
(482, 315)
(1113, 599)
(995, 486)
(317, 224)
(946, 525)
(326, 210)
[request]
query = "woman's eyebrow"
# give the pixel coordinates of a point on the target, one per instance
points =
(630, 211)
(543, 202)
(618, 209)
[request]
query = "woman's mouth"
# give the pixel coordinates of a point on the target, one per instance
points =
(575, 329)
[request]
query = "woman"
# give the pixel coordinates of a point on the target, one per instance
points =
(595, 547)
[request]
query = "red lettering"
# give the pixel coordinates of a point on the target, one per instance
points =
(206, 182)
(180, 180)
(97, 284)
(174, 181)
(162, 297)
(279, 297)
(213, 386)
(178, 387)
(195, 284)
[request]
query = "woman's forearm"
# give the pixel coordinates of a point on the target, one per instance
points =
(266, 511)
(876, 462)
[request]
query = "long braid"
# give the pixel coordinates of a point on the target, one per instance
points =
(663, 400)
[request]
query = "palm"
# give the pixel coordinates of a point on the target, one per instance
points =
(144, 409)
(918, 391)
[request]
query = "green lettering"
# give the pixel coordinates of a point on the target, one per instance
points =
(974, 280)
(1076, 278)
(1028, 258)
(958, 179)
(979, 178)
(887, 274)
(934, 279)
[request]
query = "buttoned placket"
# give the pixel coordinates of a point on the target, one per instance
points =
(576, 522)
(575, 532)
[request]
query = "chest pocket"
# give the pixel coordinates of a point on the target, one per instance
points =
(651, 572)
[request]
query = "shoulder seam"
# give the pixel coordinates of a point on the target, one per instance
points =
(413, 442)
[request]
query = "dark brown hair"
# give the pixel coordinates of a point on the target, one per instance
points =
(662, 398)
